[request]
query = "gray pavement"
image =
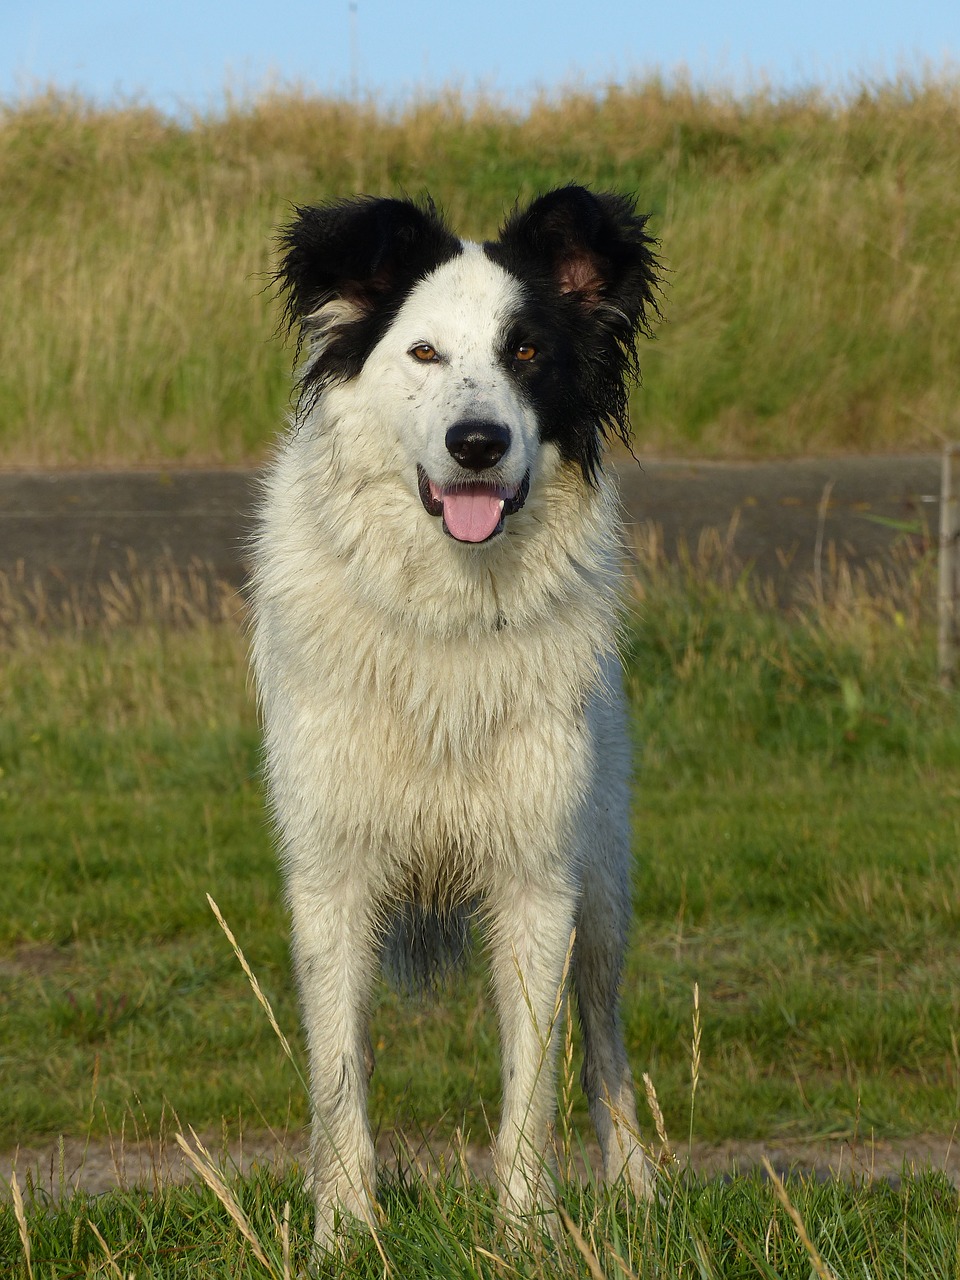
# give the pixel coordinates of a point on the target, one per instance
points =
(70, 531)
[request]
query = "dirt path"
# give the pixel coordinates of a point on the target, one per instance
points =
(72, 531)
(97, 1167)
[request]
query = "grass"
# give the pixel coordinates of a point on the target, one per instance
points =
(450, 1229)
(797, 821)
(812, 296)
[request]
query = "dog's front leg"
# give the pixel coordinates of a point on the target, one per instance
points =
(335, 956)
(530, 928)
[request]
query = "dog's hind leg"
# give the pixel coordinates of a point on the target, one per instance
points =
(335, 955)
(530, 925)
(597, 965)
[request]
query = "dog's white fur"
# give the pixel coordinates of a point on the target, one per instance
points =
(444, 724)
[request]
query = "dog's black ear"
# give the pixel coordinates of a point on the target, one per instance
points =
(364, 250)
(588, 252)
(592, 246)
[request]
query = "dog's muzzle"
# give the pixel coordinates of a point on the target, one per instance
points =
(472, 512)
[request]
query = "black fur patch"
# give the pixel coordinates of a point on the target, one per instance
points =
(368, 251)
(590, 277)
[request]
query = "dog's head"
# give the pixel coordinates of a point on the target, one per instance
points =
(474, 356)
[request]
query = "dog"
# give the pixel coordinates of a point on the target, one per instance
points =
(435, 587)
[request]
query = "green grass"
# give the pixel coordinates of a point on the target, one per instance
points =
(812, 294)
(450, 1230)
(797, 823)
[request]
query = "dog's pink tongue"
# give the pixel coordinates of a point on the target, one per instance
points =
(471, 514)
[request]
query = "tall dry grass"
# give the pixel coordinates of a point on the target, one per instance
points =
(813, 284)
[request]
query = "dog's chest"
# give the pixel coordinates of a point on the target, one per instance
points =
(456, 703)
(460, 749)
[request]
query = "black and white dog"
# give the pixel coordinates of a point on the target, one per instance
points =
(437, 568)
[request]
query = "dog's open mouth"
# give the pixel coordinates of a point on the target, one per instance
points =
(471, 512)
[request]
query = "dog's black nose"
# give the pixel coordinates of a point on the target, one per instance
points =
(477, 445)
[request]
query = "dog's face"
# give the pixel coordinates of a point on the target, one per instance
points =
(474, 356)
(457, 377)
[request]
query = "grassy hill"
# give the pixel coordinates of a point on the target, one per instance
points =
(812, 298)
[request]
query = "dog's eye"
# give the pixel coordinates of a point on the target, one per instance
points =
(525, 351)
(424, 353)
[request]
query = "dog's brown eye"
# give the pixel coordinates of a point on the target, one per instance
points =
(424, 352)
(525, 351)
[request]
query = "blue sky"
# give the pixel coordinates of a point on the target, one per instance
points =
(179, 53)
